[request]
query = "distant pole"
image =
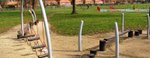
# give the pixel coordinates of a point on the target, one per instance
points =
(122, 23)
(117, 40)
(148, 26)
(22, 23)
(80, 36)
(149, 11)
(47, 31)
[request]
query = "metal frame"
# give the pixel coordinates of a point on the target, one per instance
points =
(21, 14)
(122, 23)
(33, 17)
(148, 26)
(117, 40)
(47, 31)
(80, 36)
(33, 14)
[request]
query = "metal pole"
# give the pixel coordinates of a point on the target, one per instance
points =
(149, 11)
(33, 18)
(122, 22)
(80, 36)
(22, 23)
(148, 26)
(47, 31)
(117, 40)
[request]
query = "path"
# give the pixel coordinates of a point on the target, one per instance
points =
(10, 47)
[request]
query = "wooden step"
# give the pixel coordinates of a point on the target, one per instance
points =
(33, 38)
(43, 55)
(38, 46)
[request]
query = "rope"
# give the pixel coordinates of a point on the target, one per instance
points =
(43, 33)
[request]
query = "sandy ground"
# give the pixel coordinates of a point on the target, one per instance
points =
(10, 47)
(66, 46)
(136, 47)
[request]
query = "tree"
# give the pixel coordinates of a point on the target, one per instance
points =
(26, 3)
(34, 4)
(44, 1)
(2, 3)
(58, 2)
(83, 1)
(73, 7)
(94, 2)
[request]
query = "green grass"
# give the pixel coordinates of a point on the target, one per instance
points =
(64, 23)
(9, 19)
(94, 22)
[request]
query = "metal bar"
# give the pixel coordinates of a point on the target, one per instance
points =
(120, 34)
(22, 23)
(117, 40)
(122, 23)
(148, 26)
(80, 36)
(33, 18)
(47, 31)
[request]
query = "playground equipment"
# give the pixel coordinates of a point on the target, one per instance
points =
(36, 33)
(117, 40)
(105, 43)
(148, 25)
(80, 36)
(22, 23)
(32, 12)
(122, 21)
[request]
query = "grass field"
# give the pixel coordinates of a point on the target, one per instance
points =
(9, 19)
(64, 23)
(94, 22)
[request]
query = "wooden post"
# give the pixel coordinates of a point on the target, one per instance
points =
(117, 40)
(47, 31)
(80, 36)
(102, 45)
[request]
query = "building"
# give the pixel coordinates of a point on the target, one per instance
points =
(124, 1)
(68, 2)
(10, 3)
(28, 3)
